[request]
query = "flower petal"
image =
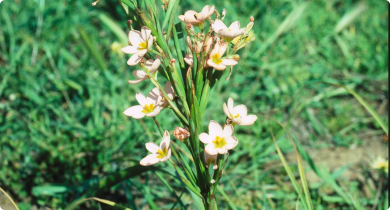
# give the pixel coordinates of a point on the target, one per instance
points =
(169, 90)
(189, 17)
(222, 150)
(226, 110)
(145, 33)
(229, 62)
(134, 82)
(149, 160)
(154, 97)
(141, 99)
(211, 149)
(167, 156)
(140, 74)
(133, 110)
(241, 110)
(218, 25)
(231, 142)
(134, 60)
(130, 49)
(239, 32)
(227, 131)
(135, 38)
(248, 120)
(222, 48)
(234, 26)
(204, 137)
(181, 18)
(166, 139)
(152, 147)
(155, 112)
(230, 105)
(226, 33)
(215, 130)
(188, 59)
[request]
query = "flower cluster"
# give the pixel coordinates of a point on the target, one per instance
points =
(210, 48)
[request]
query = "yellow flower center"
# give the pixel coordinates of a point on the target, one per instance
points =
(216, 59)
(196, 16)
(237, 116)
(142, 46)
(219, 142)
(148, 108)
(162, 153)
(229, 29)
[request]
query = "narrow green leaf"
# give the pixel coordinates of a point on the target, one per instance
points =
(171, 4)
(231, 204)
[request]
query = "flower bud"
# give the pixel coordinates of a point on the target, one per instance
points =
(234, 57)
(223, 14)
(181, 133)
(208, 44)
(173, 61)
(250, 25)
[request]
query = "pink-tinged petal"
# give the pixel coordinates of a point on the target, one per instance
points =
(215, 130)
(241, 110)
(229, 62)
(204, 137)
(141, 53)
(138, 115)
(231, 142)
(150, 42)
(133, 110)
(149, 160)
(226, 110)
(211, 149)
(222, 48)
(140, 74)
(169, 90)
(141, 99)
(152, 147)
(167, 156)
(189, 17)
(181, 18)
(230, 105)
(134, 82)
(211, 11)
(135, 38)
(154, 96)
(145, 33)
(248, 120)
(218, 25)
(239, 32)
(219, 67)
(130, 49)
(227, 131)
(226, 33)
(188, 59)
(134, 60)
(222, 150)
(166, 139)
(155, 111)
(208, 44)
(234, 26)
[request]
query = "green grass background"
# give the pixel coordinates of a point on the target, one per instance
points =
(61, 120)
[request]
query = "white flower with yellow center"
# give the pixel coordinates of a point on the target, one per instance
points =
(238, 114)
(381, 164)
(160, 153)
(215, 59)
(219, 140)
(149, 106)
(140, 45)
(230, 33)
(195, 18)
(152, 67)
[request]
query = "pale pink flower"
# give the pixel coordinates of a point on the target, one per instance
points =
(152, 67)
(181, 133)
(231, 32)
(238, 114)
(140, 45)
(195, 18)
(189, 60)
(215, 60)
(219, 140)
(149, 106)
(160, 153)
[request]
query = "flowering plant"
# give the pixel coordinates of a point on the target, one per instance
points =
(191, 72)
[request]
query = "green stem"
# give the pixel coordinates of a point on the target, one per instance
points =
(159, 126)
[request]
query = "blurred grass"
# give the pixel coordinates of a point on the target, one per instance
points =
(63, 90)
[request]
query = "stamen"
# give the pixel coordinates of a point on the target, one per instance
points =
(216, 59)
(162, 153)
(219, 142)
(142, 46)
(148, 108)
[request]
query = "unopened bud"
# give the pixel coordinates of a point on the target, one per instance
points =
(181, 133)
(234, 57)
(250, 25)
(190, 28)
(171, 62)
(94, 3)
(208, 44)
(223, 14)
(129, 23)
(252, 19)
(212, 181)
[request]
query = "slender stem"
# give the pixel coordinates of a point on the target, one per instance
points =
(9, 198)
(155, 52)
(159, 126)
